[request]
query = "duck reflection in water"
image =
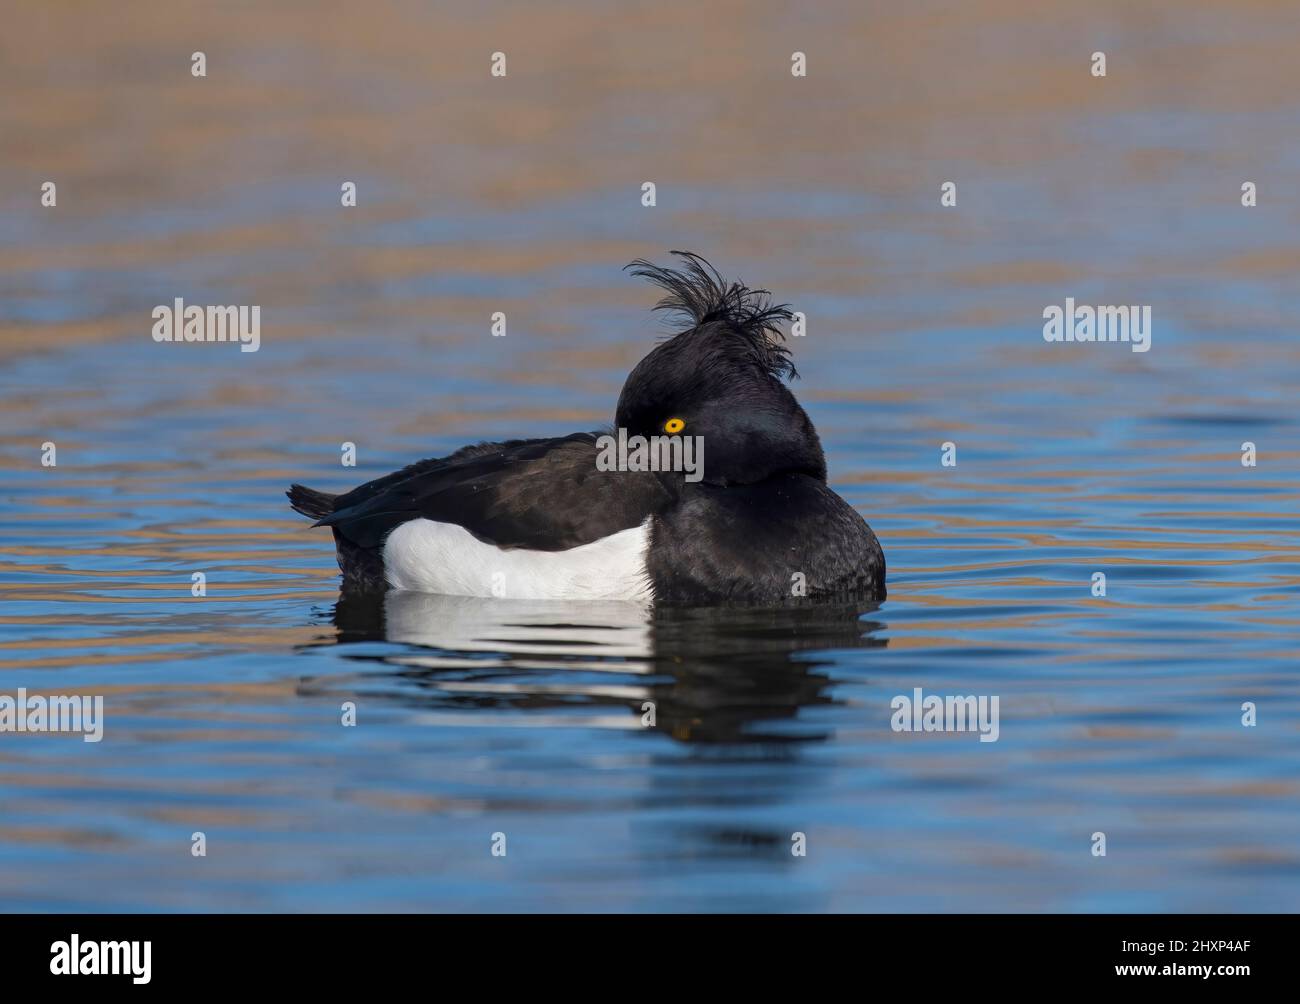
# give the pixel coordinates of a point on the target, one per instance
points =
(699, 675)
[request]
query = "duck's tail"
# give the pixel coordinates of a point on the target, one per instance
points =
(310, 502)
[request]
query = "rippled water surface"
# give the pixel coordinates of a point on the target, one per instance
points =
(1119, 714)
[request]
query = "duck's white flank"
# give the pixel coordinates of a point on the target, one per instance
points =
(431, 557)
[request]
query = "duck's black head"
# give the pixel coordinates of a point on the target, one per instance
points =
(722, 379)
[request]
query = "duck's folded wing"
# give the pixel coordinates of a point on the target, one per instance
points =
(542, 494)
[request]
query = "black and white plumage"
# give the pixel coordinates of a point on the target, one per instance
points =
(538, 518)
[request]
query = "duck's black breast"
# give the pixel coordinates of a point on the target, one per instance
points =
(774, 542)
(541, 494)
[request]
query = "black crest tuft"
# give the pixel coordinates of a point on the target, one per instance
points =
(697, 291)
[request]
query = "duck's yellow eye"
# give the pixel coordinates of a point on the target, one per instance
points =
(674, 426)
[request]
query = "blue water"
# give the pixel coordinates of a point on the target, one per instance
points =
(1119, 714)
